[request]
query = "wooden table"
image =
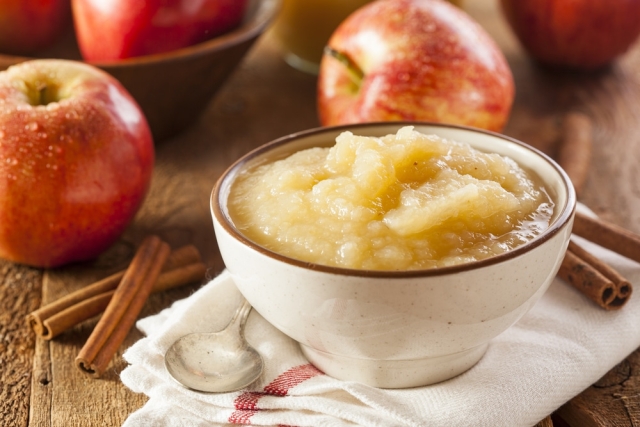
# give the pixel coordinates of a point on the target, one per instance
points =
(265, 99)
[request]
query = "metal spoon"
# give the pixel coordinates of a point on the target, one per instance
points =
(215, 362)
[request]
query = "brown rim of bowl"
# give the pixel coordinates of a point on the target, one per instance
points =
(264, 13)
(229, 175)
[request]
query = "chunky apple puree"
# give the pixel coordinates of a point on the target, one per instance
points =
(403, 201)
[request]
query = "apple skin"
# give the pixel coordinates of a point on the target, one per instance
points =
(27, 26)
(579, 34)
(119, 29)
(76, 159)
(420, 60)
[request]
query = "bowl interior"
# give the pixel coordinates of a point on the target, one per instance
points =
(555, 180)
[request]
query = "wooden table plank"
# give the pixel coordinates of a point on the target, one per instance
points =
(20, 289)
(612, 401)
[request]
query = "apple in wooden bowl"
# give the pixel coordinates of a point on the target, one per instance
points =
(173, 88)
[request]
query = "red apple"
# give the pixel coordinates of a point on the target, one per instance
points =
(76, 156)
(27, 26)
(414, 60)
(582, 34)
(118, 29)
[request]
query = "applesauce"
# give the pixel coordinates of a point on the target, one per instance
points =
(397, 202)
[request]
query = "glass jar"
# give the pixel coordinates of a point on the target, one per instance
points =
(303, 28)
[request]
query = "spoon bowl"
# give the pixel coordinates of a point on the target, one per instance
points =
(215, 362)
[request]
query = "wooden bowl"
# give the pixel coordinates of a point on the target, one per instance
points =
(173, 88)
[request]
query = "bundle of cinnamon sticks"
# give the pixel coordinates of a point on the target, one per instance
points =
(590, 275)
(597, 280)
(121, 297)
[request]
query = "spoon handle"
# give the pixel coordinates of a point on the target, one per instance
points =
(240, 317)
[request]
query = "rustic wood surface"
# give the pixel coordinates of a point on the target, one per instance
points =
(265, 99)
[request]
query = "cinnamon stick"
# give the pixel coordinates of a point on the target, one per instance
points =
(574, 155)
(589, 281)
(74, 315)
(78, 313)
(124, 307)
(180, 276)
(607, 235)
(622, 287)
(84, 310)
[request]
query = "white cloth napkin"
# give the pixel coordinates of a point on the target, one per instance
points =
(563, 345)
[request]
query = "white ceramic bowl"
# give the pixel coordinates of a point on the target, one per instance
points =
(396, 329)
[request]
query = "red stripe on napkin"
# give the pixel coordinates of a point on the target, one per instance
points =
(291, 378)
(246, 403)
(242, 417)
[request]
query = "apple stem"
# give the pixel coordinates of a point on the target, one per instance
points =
(345, 59)
(42, 94)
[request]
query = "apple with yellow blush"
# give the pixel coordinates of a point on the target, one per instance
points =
(425, 60)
